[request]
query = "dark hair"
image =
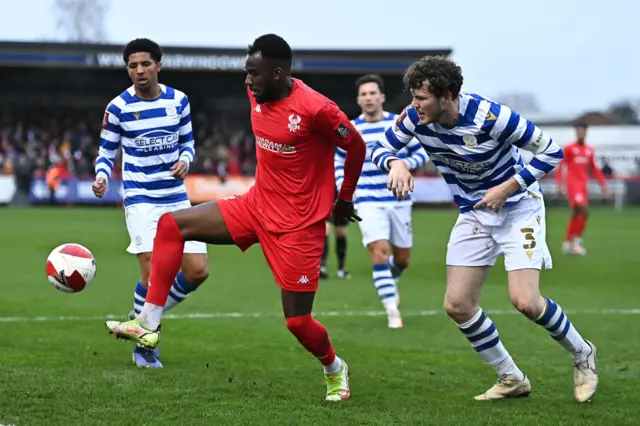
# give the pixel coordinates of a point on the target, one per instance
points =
(582, 124)
(142, 45)
(273, 47)
(442, 74)
(370, 78)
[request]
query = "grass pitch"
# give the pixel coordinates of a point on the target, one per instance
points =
(230, 360)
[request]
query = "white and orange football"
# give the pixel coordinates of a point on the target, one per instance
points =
(71, 268)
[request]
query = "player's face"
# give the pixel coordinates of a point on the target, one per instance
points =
(143, 70)
(429, 107)
(370, 98)
(581, 133)
(262, 78)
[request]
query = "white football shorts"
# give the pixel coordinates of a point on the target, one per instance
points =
(518, 232)
(386, 222)
(142, 222)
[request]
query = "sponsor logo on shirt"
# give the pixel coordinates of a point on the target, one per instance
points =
(274, 146)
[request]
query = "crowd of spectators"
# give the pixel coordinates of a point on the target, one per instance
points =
(48, 135)
(69, 137)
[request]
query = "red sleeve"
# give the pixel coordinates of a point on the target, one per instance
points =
(333, 124)
(596, 170)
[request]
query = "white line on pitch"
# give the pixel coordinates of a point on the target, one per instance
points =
(217, 315)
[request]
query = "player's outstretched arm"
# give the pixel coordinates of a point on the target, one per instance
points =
(396, 137)
(109, 143)
(417, 155)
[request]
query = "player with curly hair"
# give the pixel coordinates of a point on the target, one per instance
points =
(475, 143)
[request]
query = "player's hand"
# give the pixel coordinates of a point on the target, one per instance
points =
(495, 197)
(607, 193)
(400, 181)
(343, 211)
(180, 170)
(99, 187)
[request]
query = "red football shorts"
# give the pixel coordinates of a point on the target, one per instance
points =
(577, 195)
(294, 257)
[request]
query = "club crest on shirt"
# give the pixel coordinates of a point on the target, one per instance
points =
(171, 111)
(294, 122)
(137, 115)
(470, 140)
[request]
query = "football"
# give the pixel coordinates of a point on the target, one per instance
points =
(71, 268)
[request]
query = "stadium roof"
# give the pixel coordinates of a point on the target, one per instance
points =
(81, 55)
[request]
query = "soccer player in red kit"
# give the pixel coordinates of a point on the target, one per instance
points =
(296, 131)
(578, 158)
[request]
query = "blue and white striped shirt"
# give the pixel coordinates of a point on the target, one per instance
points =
(154, 135)
(481, 151)
(372, 185)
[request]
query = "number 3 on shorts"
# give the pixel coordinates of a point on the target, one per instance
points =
(528, 235)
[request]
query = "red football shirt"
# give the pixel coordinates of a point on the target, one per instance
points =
(578, 159)
(295, 142)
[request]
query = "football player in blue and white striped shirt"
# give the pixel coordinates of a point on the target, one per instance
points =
(151, 122)
(386, 222)
(476, 143)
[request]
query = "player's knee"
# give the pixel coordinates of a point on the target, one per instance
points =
(197, 274)
(379, 253)
(530, 306)
(297, 325)
(459, 310)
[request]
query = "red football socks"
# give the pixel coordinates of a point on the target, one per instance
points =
(579, 224)
(166, 259)
(571, 229)
(576, 227)
(313, 336)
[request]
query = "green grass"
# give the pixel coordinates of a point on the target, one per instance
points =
(250, 370)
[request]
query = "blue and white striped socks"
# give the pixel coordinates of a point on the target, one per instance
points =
(484, 338)
(560, 328)
(385, 285)
(139, 296)
(179, 292)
